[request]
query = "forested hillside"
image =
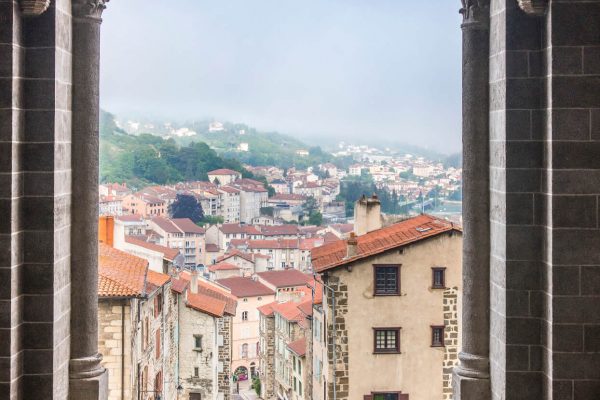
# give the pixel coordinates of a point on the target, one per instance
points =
(147, 159)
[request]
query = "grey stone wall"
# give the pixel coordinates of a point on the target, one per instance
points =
(544, 124)
(451, 332)
(338, 335)
(267, 358)
(225, 329)
(35, 187)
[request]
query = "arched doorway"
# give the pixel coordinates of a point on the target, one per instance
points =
(240, 373)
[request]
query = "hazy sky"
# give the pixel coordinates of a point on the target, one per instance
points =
(349, 69)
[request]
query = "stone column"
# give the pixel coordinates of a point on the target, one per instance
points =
(471, 377)
(88, 379)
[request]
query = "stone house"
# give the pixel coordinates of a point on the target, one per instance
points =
(377, 283)
(222, 270)
(204, 338)
(136, 316)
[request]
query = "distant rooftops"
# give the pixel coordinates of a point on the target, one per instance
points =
(285, 278)
(224, 171)
(245, 287)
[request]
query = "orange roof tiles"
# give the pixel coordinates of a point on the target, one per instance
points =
(157, 278)
(222, 266)
(214, 290)
(120, 274)
(245, 287)
(285, 278)
(298, 346)
(400, 234)
(206, 303)
(267, 309)
(168, 253)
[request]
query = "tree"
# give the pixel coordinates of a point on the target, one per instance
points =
(186, 206)
(211, 220)
(316, 218)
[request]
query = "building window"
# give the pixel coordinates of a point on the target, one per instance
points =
(387, 340)
(438, 278)
(387, 280)
(158, 383)
(196, 372)
(245, 350)
(245, 316)
(157, 344)
(195, 396)
(384, 396)
(158, 300)
(437, 336)
(245, 300)
(198, 342)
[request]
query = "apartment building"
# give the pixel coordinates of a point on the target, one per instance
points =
(250, 295)
(222, 235)
(146, 205)
(182, 234)
(380, 281)
(230, 204)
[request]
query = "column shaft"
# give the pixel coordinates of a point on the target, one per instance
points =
(88, 377)
(471, 380)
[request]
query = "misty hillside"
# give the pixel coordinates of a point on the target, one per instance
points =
(236, 141)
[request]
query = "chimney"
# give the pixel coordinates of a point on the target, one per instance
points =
(106, 226)
(367, 215)
(194, 280)
(351, 246)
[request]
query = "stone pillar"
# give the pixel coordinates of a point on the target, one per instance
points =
(471, 377)
(88, 379)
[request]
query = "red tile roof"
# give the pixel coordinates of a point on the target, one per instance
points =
(285, 278)
(266, 243)
(267, 309)
(223, 171)
(179, 285)
(239, 228)
(206, 303)
(130, 218)
(215, 291)
(298, 347)
(343, 228)
(288, 310)
(222, 266)
(156, 278)
(165, 224)
(120, 274)
(245, 287)
(168, 253)
(187, 225)
(400, 234)
(212, 248)
(276, 230)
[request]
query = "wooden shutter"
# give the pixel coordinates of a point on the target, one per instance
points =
(157, 343)
(367, 397)
(403, 397)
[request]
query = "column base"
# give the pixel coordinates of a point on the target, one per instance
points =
(95, 388)
(466, 388)
(471, 378)
(88, 380)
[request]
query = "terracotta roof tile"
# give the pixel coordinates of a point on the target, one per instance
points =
(215, 291)
(285, 278)
(298, 347)
(157, 279)
(222, 266)
(120, 274)
(179, 285)
(267, 309)
(212, 248)
(187, 225)
(206, 303)
(168, 253)
(400, 234)
(245, 287)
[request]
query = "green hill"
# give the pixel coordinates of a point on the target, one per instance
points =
(147, 159)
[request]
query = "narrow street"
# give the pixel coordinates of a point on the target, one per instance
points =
(246, 392)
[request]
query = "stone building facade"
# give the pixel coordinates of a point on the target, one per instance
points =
(389, 289)
(267, 352)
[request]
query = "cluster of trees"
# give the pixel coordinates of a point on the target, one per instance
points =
(312, 212)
